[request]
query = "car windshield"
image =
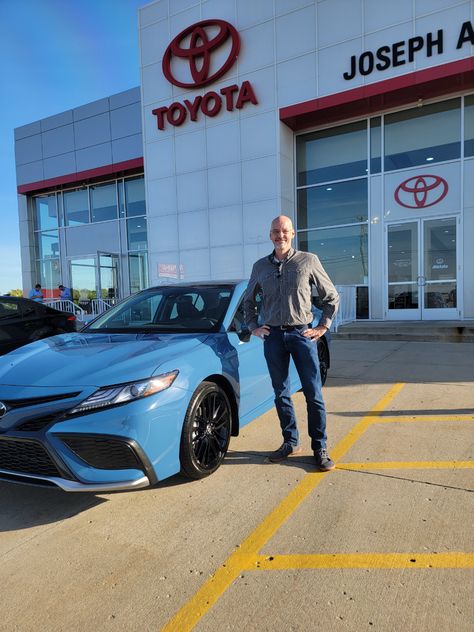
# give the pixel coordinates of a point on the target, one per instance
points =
(177, 309)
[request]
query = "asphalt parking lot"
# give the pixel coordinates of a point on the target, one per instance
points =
(384, 542)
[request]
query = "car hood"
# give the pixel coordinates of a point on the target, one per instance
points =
(93, 359)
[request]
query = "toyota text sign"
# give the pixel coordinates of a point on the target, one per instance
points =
(195, 58)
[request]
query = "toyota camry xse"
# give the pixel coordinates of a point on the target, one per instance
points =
(154, 386)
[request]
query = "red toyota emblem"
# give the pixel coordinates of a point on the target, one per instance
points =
(421, 191)
(195, 45)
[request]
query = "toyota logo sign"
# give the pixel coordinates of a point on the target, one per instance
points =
(421, 191)
(196, 45)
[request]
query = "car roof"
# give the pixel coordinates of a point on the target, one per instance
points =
(197, 284)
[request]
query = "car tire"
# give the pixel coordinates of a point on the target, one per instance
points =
(323, 355)
(206, 431)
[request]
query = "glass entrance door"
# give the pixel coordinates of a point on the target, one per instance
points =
(94, 278)
(84, 281)
(422, 270)
(108, 276)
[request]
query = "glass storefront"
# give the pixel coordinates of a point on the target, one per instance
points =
(334, 170)
(122, 201)
(333, 207)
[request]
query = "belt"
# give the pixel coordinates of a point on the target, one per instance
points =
(289, 327)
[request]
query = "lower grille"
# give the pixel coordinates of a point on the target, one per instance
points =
(27, 457)
(105, 453)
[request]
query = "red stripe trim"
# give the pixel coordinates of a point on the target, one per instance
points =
(391, 93)
(107, 170)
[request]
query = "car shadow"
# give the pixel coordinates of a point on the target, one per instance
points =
(23, 507)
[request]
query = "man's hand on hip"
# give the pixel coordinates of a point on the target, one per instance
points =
(261, 332)
(315, 332)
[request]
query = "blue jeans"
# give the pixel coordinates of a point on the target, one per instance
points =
(279, 346)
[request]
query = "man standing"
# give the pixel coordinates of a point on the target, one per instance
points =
(286, 278)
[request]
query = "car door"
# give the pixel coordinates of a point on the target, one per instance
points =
(12, 334)
(255, 385)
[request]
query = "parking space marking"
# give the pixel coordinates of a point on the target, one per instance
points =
(416, 418)
(407, 465)
(364, 560)
(194, 609)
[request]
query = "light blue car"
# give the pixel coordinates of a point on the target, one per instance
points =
(155, 386)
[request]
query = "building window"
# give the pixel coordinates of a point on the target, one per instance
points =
(332, 204)
(332, 154)
(76, 207)
(48, 245)
(410, 134)
(469, 126)
(137, 233)
(45, 212)
(375, 145)
(103, 202)
(138, 271)
(135, 196)
(343, 252)
(49, 273)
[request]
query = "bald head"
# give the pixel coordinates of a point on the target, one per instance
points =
(282, 219)
(281, 234)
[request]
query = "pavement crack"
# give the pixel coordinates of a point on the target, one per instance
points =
(409, 480)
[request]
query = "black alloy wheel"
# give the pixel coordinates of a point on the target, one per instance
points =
(206, 431)
(323, 355)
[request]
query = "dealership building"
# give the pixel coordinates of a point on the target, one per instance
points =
(354, 117)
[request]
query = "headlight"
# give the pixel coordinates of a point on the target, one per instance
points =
(113, 395)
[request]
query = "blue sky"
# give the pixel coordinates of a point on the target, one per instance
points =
(55, 55)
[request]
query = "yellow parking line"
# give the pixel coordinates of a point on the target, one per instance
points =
(364, 560)
(416, 418)
(192, 611)
(407, 465)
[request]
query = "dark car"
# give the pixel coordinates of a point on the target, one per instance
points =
(23, 321)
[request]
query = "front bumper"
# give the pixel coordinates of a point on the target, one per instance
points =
(72, 486)
(117, 448)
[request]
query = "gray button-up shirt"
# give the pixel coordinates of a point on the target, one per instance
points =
(287, 289)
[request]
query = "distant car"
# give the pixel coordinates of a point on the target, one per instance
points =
(23, 321)
(154, 386)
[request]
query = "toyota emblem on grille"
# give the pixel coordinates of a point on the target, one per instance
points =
(3, 409)
(421, 191)
(195, 46)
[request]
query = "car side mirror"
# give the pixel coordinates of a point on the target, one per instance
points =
(244, 334)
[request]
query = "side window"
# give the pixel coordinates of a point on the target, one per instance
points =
(9, 310)
(238, 322)
(143, 311)
(29, 310)
(187, 306)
